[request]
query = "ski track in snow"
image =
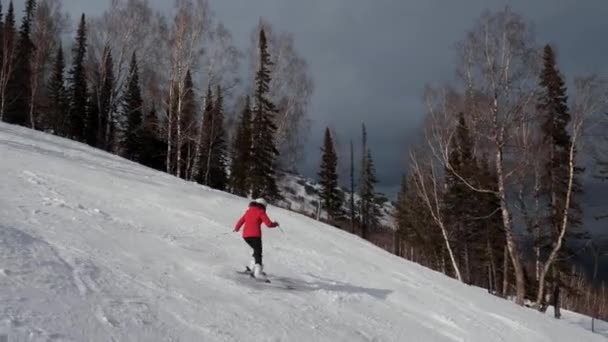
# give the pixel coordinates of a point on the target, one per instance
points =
(96, 248)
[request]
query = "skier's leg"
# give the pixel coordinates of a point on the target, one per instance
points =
(258, 270)
(251, 244)
(257, 250)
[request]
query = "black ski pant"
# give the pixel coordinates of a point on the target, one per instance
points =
(256, 244)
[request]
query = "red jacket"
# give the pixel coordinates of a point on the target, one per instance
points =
(253, 218)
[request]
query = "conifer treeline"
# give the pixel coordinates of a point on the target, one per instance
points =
(361, 215)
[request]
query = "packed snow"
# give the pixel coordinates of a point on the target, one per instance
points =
(96, 248)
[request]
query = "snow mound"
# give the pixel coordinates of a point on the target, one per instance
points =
(96, 248)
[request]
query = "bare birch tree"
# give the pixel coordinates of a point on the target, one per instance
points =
(499, 69)
(429, 186)
(190, 25)
(128, 26)
(220, 65)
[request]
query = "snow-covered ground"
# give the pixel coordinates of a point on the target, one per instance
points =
(96, 248)
(583, 321)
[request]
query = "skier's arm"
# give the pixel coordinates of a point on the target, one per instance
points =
(239, 224)
(267, 221)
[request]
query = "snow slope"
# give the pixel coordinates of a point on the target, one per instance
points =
(96, 248)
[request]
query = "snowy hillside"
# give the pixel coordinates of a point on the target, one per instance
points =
(96, 248)
(302, 195)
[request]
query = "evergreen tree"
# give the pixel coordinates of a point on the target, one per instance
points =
(188, 125)
(603, 162)
(153, 148)
(109, 121)
(419, 236)
(370, 208)
(20, 84)
(206, 140)
(132, 110)
(461, 203)
(265, 153)
(1, 33)
(92, 126)
(554, 115)
(58, 99)
(368, 201)
(371, 196)
(218, 178)
(78, 86)
(362, 207)
(241, 154)
(490, 223)
(353, 214)
(7, 71)
(401, 218)
(328, 178)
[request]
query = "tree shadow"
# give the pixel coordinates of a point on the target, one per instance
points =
(324, 284)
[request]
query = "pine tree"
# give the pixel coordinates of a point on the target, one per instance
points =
(370, 209)
(92, 126)
(554, 115)
(363, 175)
(368, 201)
(58, 99)
(78, 85)
(20, 83)
(353, 214)
(328, 178)
(401, 218)
(490, 223)
(461, 202)
(153, 147)
(206, 139)
(265, 153)
(419, 236)
(370, 195)
(9, 37)
(1, 33)
(218, 178)
(241, 154)
(132, 110)
(603, 162)
(188, 125)
(109, 121)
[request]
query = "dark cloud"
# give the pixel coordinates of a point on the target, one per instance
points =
(370, 60)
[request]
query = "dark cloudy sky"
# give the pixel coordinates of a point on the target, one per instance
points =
(370, 59)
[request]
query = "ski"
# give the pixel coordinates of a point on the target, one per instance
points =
(250, 273)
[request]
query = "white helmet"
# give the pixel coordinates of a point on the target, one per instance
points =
(261, 201)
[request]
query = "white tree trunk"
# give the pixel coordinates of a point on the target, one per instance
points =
(557, 245)
(508, 226)
(170, 130)
(432, 202)
(178, 138)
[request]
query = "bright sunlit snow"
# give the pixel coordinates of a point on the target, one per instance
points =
(96, 248)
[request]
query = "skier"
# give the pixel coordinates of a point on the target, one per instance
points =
(252, 234)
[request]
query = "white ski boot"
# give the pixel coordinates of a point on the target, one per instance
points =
(258, 272)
